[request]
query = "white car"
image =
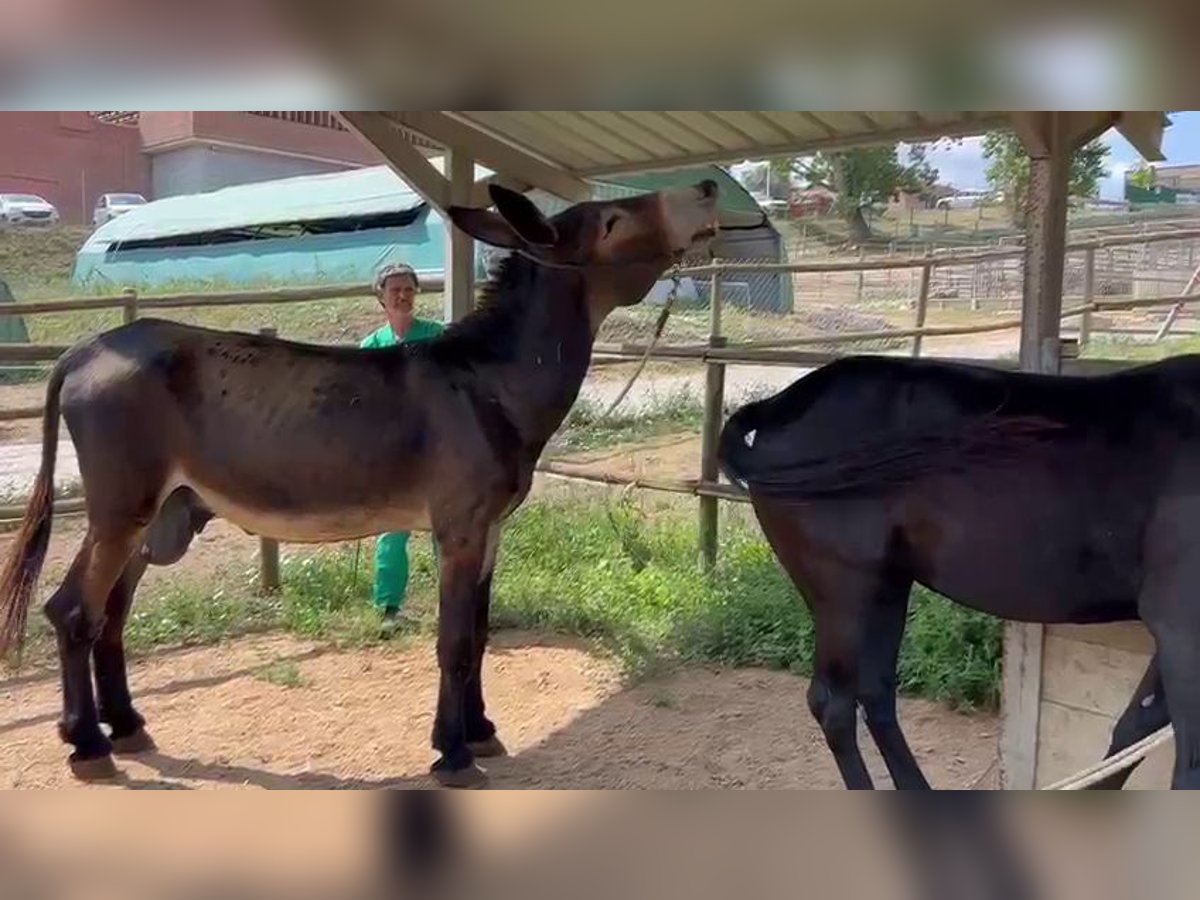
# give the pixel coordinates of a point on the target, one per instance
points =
(109, 206)
(967, 200)
(26, 209)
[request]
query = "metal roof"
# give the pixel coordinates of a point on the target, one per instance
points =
(560, 150)
(591, 143)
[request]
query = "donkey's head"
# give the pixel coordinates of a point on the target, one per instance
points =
(621, 247)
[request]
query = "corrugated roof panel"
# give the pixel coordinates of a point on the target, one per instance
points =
(650, 143)
(584, 136)
(715, 130)
(752, 128)
(687, 142)
(943, 117)
(530, 134)
(844, 123)
(888, 120)
(590, 144)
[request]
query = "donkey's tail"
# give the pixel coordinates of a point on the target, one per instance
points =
(769, 459)
(737, 436)
(19, 578)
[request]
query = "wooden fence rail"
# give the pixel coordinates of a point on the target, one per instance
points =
(184, 301)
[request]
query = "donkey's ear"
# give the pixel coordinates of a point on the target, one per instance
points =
(523, 215)
(485, 226)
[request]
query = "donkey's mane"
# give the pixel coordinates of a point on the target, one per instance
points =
(506, 301)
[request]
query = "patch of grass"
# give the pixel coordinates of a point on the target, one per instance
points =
(1117, 347)
(563, 569)
(327, 594)
(39, 256)
(190, 613)
(672, 413)
(345, 320)
(282, 673)
(622, 575)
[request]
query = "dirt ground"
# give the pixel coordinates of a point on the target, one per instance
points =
(674, 456)
(220, 547)
(21, 396)
(361, 719)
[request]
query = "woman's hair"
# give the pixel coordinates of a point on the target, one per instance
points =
(391, 269)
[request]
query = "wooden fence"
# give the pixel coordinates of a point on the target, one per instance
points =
(716, 354)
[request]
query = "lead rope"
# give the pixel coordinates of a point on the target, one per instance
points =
(658, 330)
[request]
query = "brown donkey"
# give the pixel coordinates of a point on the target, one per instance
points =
(174, 424)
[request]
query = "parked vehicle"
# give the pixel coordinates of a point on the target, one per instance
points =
(26, 209)
(963, 200)
(109, 206)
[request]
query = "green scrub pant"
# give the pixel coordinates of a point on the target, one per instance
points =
(391, 570)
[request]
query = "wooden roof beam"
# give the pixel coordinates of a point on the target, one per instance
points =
(407, 161)
(502, 157)
(1145, 131)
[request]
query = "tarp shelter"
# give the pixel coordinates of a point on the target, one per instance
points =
(12, 328)
(757, 240)
(340, 227)
(332, 228)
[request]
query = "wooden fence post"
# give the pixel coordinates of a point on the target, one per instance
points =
(714, 418)
(269, 578)
(858, 293)
(131, 305)
(922, 306)
(1089, 295)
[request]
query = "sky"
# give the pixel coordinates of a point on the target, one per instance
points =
(963, 165)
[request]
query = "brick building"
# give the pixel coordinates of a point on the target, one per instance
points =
(70, 158)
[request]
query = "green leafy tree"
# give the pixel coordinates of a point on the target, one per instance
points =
(863, 177)
(1008, 169)
(1144, 177)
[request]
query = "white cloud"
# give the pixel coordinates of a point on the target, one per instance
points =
(959, 163)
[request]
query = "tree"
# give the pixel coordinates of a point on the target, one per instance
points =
(862, 177)
(1144, 177)
(1008, 170)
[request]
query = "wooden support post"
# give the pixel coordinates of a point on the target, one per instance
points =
(1050, 138)
(459, 298)
(1089, 295)
(131, 305)
(269, 579)
(1045, 247)
(714, 419)
(922, 307)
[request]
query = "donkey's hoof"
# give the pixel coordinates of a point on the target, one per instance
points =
(98, 768)
(470, 778)
(490, 747)
(132, 744)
